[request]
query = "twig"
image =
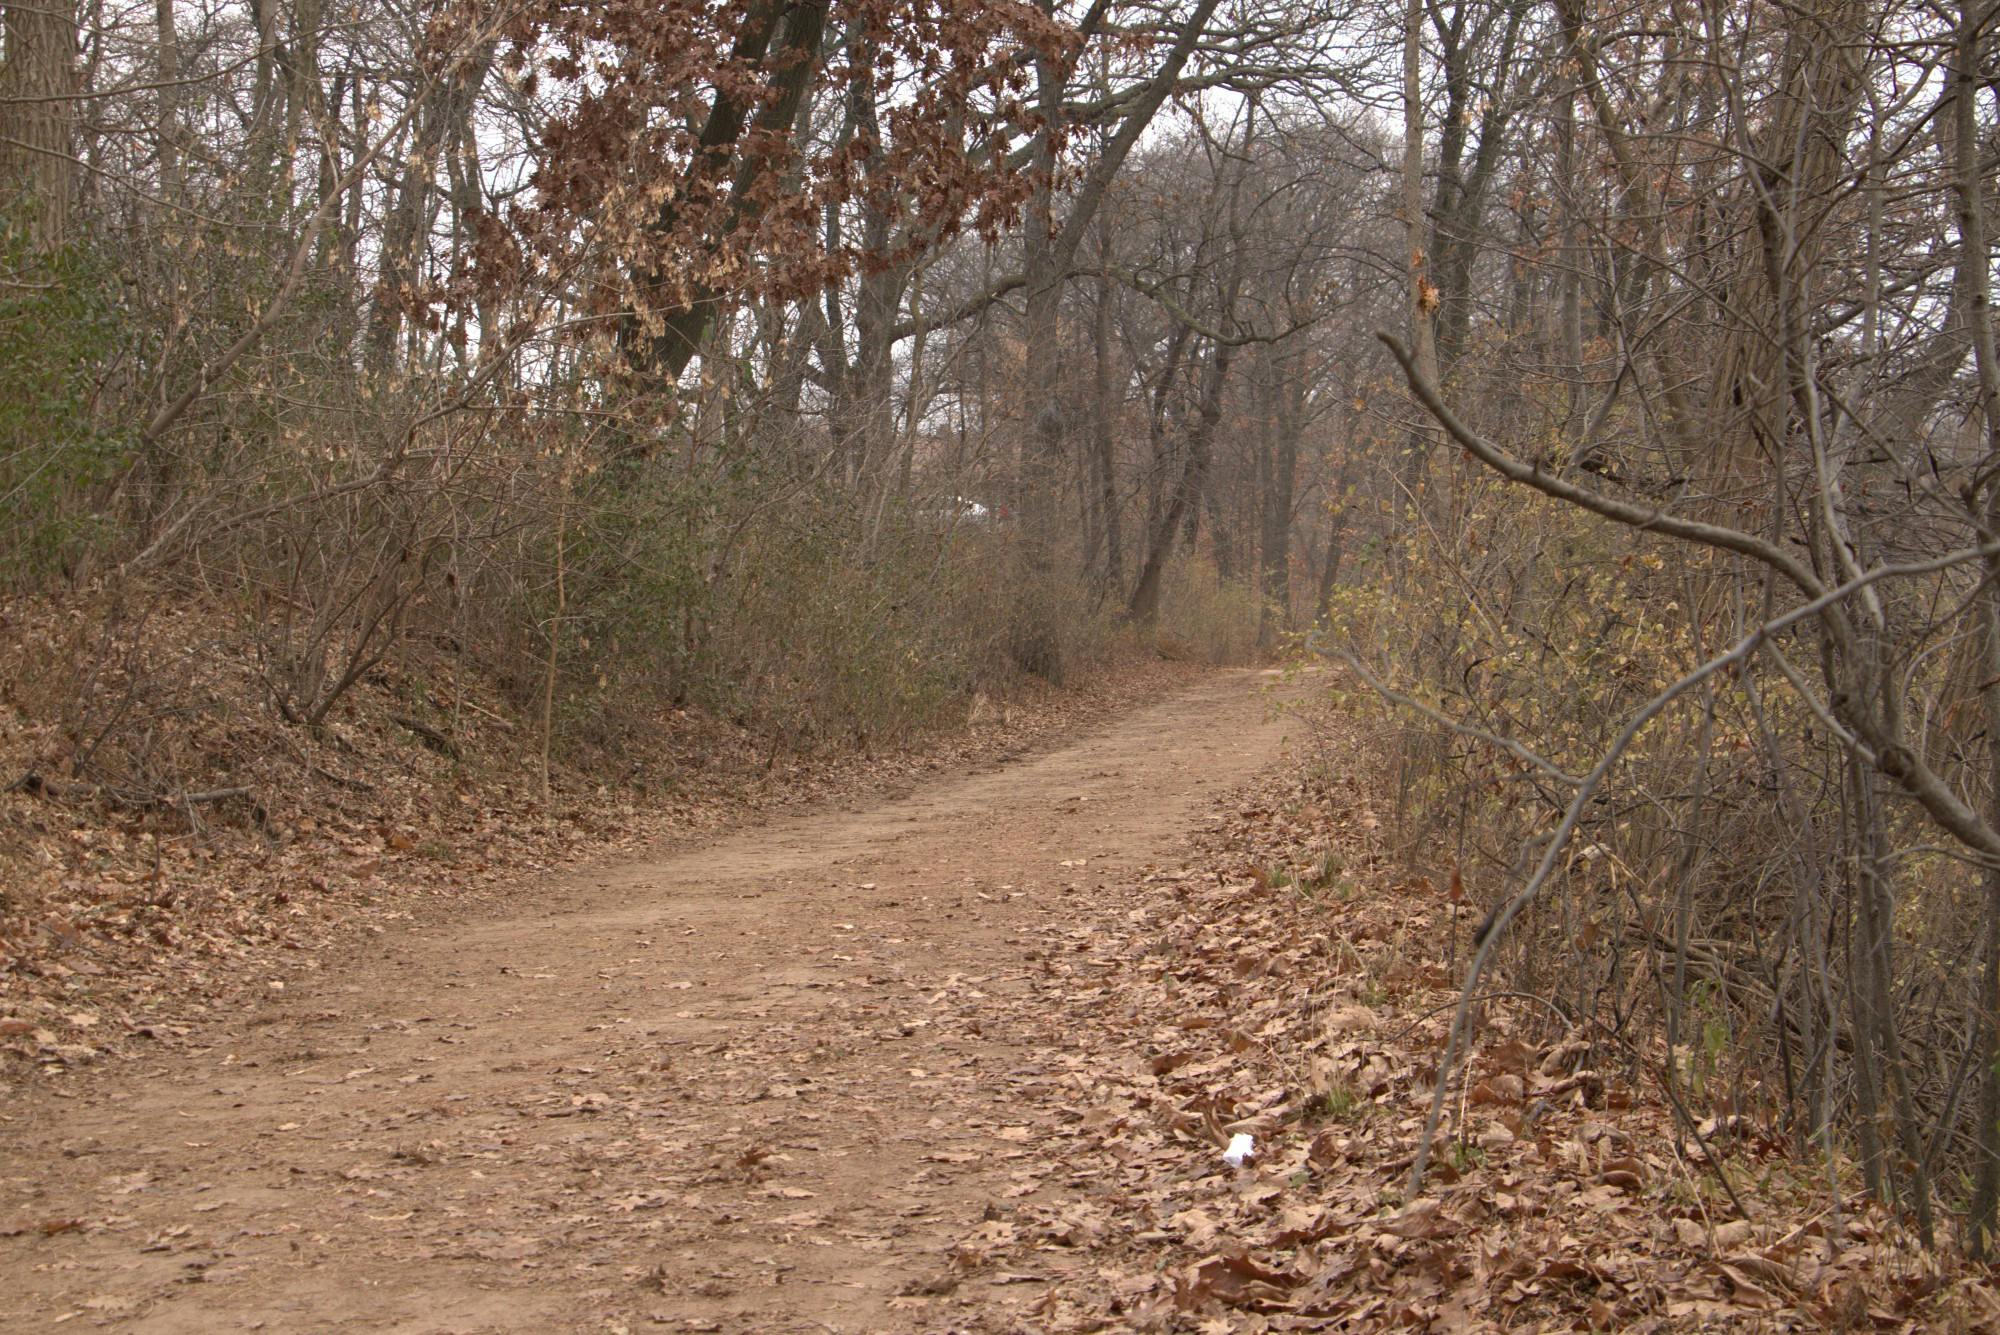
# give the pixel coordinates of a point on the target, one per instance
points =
(35, 785)
(1436, 715)
(428, 735)
(1714, 1160)
(1553, 1007)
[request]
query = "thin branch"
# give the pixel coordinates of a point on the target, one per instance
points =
(1644, 518)
(1436, 715)
(1729, 659)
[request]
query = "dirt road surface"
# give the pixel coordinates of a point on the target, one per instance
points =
(762, 1086)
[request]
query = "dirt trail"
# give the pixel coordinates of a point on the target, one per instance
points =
(760, 1086)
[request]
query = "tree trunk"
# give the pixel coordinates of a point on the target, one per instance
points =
(1329, 565)
(405, 229)
(1161, 443)
(1796, 167)
(664, 329)
(167, 120)
(1423, 297)
(38, 115)
(1975, 280)
(1462, 193)
(1051, 256)
(1221, 537)
(1423, 293)
(1286, 410)
(1104, 423)
(1145, 604)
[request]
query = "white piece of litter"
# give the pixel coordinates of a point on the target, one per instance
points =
(1242, 1149)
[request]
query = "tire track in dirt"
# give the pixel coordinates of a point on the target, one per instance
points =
(764, 1085)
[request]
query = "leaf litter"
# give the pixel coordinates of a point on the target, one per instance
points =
(123, 929)
(1245, 1002)
(1048, 1156)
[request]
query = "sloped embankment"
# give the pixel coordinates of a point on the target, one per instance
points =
(212, 852)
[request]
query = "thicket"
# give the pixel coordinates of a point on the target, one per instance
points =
(326, 529)
(404, 347)
(1679, 573)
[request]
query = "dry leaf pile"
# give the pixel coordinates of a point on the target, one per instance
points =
(1290, 983)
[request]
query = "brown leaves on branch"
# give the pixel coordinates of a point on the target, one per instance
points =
(692, 151)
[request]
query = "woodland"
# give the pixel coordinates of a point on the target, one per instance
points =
(645, 409)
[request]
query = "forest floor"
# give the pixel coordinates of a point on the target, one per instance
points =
(961, 1060)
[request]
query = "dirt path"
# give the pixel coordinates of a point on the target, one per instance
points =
(761, 1086)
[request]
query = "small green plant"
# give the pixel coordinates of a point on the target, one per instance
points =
(1701, 1058)
(1336, 1103)
(1322, 874)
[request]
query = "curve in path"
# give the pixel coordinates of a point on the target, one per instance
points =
(763, 1085)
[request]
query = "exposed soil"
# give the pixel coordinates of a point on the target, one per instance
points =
(771, 1084)
(129, 918)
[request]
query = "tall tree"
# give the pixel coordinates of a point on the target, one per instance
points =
(38, 99)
